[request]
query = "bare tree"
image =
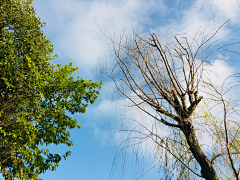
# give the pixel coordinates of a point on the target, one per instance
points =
(167, 78)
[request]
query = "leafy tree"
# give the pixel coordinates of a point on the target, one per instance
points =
(197, 136)
(34, 94)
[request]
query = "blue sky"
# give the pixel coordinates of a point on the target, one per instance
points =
(75, 28)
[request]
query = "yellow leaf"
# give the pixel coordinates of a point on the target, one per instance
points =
(41, 95)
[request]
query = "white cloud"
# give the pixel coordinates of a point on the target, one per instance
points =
(79, 38)
(226, 9)
(127, 127)
(77, 25)
(203, 18)
(217, 72)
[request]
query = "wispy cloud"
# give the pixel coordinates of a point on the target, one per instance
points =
(76, 25)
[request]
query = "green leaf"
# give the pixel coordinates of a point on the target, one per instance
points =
(34, 94)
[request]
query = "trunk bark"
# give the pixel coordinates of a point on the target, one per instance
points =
(207, 170)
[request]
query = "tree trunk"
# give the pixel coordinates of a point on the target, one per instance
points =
(207, 170)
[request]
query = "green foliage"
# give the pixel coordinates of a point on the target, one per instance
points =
(34, 94)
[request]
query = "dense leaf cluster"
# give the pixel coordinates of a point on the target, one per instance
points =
(34, 94)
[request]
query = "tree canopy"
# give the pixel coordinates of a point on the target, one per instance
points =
(34, 94)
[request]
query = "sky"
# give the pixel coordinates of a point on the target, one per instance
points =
(80, 31)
